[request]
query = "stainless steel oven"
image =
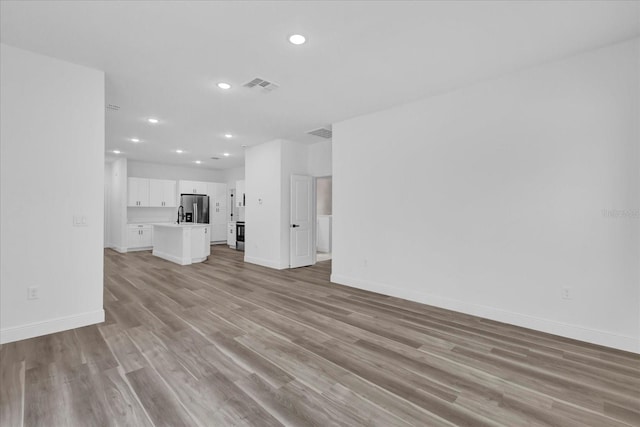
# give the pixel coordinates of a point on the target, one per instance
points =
(240, 235)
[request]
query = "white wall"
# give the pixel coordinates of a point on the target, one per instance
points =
(263, 180)
(233, 175)
(160, 171)
(268, 169)
(504, 184)
(320, 158)
(52, 168)
(324, 193)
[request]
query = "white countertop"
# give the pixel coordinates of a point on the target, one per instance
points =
(181, 225)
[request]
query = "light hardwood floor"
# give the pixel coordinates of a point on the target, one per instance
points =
(225, 343)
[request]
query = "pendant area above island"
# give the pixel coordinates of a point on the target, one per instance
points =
(183, 243)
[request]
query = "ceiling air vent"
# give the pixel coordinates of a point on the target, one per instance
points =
(259, 83)
(322, 133)
(215, 158)
(112, 107)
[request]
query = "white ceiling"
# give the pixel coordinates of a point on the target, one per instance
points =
(164, 58)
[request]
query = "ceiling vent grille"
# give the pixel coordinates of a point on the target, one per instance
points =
(215, 158)
(322, 133)
(259, 83)
(112, 107)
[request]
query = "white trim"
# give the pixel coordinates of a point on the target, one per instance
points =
(594, 336)
(120, 249)
(36, 329)
(139, 248)
(265, 263)
(178, 260)
(172, 258)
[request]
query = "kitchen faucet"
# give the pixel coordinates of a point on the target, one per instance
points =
(181, 207)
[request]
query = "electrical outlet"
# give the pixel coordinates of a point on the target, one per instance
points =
(566, 293)
(32, 292)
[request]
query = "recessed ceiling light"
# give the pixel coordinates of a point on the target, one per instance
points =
(226, 154)
(116, 151)
(135, 140)
(153, 120)
(228, 135)
(179, 151)
(297, 39)
(223, 85)
(198, 162)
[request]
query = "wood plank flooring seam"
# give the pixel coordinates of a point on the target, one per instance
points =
(532, 391)
(167, 386)
(225, 342)
(365, 380)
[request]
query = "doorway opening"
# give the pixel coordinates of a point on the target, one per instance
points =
(324, 212)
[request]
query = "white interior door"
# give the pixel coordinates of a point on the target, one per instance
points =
(302, 223)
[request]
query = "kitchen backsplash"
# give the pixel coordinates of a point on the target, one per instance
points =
(137, 215)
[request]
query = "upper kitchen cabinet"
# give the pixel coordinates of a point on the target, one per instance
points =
(162, 193)
(138, 192)
(217, 193)
(192, 187)
(240, 197)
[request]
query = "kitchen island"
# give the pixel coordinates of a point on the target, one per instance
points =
(184, 243)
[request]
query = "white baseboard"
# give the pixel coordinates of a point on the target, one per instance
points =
(31, 330)
(265, 263)
(142, 248)
(121, 249)
(594, 336)
(171, 258)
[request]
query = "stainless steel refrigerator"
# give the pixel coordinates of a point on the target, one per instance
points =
(196, 208)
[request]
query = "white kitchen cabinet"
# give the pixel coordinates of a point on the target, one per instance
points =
(207, 242)
(199, 241)
(192, 187)
(217, 193)
(170, 194)
(139, 237)
(183, 244)
(240, 196)
(138, 192)
(200, 245)
(162, 193)
(231, 234)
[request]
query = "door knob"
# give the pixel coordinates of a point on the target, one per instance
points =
(294, 225)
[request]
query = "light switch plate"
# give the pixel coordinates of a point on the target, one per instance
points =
(32, 292)
(80, 221)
